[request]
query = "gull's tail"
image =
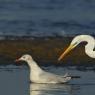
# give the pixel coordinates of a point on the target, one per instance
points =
(72, 77)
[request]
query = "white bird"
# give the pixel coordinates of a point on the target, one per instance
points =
(37, 75)
(89, 47)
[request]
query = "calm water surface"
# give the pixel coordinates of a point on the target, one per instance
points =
(14, 80)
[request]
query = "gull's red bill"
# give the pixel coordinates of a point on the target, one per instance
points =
(17, 60)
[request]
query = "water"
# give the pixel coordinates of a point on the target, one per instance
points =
(47, 17)
(14, 80)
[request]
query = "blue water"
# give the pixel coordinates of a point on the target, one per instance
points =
(14, 80)
(47, 17)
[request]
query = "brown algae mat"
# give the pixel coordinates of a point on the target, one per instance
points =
(45, 50)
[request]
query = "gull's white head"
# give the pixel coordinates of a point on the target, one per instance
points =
(25, 57)
(78, 39)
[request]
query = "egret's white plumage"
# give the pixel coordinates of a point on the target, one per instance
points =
(37, 75)
(89, 47)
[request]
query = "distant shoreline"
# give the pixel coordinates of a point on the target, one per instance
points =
(29, 37)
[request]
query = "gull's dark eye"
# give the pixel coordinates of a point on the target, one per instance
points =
(24, 57)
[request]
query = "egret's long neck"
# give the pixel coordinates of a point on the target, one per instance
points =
(89, 48)
(33, 66)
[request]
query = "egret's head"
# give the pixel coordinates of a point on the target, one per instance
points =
(25, 57)
(73, 44)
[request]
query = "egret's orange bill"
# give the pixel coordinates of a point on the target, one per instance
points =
(66, 52)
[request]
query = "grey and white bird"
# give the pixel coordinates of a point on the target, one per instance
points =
(37, 75)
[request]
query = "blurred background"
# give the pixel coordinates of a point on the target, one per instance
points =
(49, 26)
(42, 18)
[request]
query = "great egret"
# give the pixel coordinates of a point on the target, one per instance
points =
(77, 40)
(37, 75)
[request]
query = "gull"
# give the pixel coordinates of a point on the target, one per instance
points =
(38, 75)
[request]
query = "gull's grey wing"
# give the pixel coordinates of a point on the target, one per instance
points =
(53, 77)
